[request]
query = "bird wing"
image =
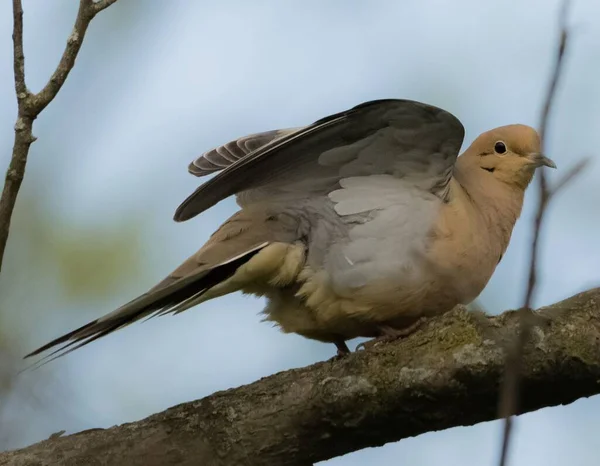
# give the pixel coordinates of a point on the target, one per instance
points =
(221, 157)
(382, 137)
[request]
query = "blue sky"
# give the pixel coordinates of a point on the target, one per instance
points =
(157, 83)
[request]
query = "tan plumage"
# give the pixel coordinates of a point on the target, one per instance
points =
(357, 225)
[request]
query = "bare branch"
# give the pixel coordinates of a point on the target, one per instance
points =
(558, 68)
(510, 387)
(19, 56)
(543, 190)
(85, 14)
(573, 172)
(446, 374)
(102, 4)
(23, 133)
(30, 105)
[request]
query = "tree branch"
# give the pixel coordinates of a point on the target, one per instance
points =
(87, 10)
(509, 396)
(19, 56)
(31, 105)
(101, 5)
(446, 374)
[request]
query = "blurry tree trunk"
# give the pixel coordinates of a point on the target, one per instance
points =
(446, 374)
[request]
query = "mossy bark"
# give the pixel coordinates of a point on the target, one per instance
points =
(446, 374)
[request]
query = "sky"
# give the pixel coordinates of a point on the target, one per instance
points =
(158, 83)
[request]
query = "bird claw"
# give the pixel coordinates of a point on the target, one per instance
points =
(365, 345)
(338, 357)
(391, 334)
(342, 350)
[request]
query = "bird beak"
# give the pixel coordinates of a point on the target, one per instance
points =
(540, 160)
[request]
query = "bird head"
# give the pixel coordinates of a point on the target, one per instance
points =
(510, 154)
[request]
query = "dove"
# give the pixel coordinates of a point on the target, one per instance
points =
(358, 225)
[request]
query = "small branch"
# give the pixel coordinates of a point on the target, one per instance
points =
(23, 135)
(14, 177)
(30, 105)
(544, 192)
(102, 5)
(444, 375)
(510, 388)
(573, 173)
(87, 10)
(19, 56)
(558, 68)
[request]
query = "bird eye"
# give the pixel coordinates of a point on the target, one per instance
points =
(500, 147)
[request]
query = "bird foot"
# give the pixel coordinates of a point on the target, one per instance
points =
(389, 334)
(342, 350)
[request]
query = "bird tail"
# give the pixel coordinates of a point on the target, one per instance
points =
(172, 295)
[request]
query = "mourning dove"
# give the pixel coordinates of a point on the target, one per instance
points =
(358, 225)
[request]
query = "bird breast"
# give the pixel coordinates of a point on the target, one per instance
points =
(394, 270)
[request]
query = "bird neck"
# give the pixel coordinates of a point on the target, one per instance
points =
(497, 203)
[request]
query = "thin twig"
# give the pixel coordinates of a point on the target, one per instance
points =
(19, 57)
(87, 10)
(509, 396)
(30, 105)
(573, 172)
(102, 4)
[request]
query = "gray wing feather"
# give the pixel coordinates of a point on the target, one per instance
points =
(221, 157)
(387, 137)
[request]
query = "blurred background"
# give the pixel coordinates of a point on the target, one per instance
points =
(156, 83)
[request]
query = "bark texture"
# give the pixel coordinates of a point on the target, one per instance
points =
(446, 374)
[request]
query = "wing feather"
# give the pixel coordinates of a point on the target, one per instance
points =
(221, 157)
(382, 137)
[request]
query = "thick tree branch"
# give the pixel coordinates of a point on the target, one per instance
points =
(30, 105)
(446, 374)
